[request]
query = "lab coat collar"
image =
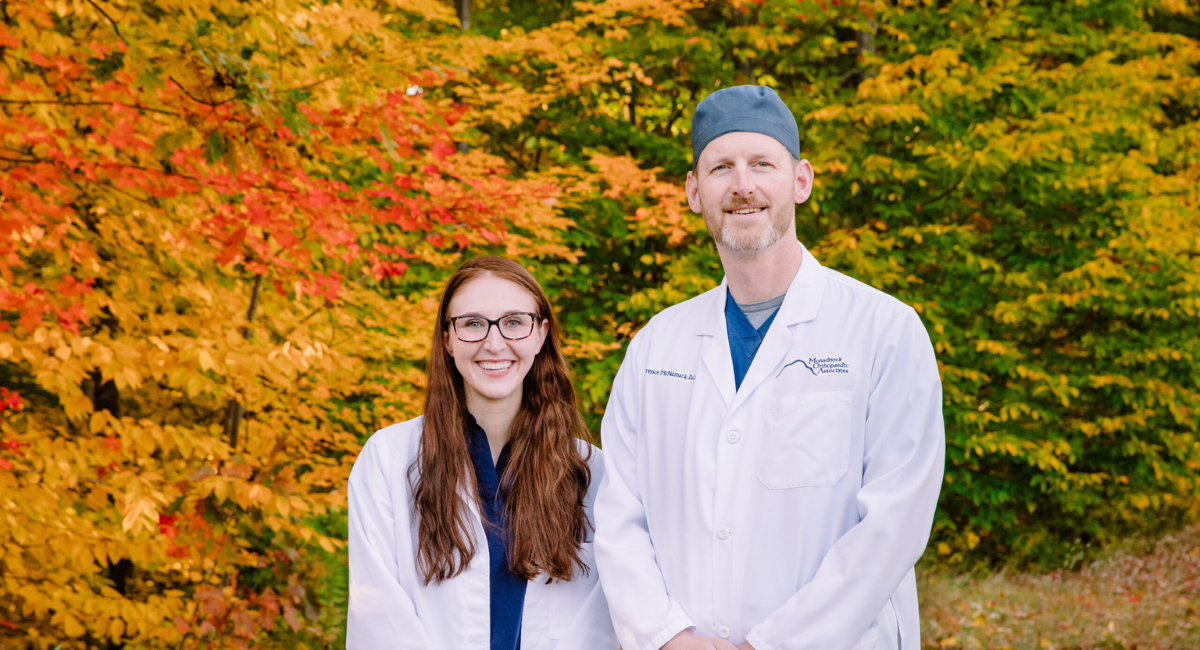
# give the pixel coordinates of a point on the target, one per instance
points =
(800, 304)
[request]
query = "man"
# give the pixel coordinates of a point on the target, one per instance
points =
(774, 447)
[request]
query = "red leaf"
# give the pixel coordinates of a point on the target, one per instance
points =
(290, 615)
(4, 464)
(113, 443)
(441, 150)
(9, 399)
(166, 526)
(8, 40)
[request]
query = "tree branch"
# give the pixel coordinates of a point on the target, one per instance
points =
(32, 102)
(110, 20)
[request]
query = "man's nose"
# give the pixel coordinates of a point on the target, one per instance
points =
(742, 184)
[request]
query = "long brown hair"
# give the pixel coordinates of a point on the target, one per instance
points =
(546, 478)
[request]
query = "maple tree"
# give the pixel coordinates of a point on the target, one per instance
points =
(205, 206)
(224, 225)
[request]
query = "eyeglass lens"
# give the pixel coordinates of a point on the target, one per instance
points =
(475, 328)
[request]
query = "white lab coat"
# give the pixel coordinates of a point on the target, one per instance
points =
(791, 511)
(391, 608)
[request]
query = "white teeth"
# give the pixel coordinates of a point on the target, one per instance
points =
(746, 210)
(497, 365)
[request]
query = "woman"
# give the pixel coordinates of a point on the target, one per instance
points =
(470, 525)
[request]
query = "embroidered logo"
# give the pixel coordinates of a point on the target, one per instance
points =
(670, 373)
(822, 366)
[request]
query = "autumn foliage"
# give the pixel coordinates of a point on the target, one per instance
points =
(223, 226)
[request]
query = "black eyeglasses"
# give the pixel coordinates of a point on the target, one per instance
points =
(473, 329)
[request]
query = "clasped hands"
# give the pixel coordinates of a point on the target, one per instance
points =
(689, 640)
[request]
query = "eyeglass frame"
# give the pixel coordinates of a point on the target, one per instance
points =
(532, 326)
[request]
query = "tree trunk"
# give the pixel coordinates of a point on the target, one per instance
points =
(107, 397)
(866, 47)
(464, 17)
(745, 66)
(464, 13)
(233, 416)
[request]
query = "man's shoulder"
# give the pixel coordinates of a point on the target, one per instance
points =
(842, 287)
(686, 314)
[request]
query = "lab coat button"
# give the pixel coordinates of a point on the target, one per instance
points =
(723, 632)
(733, 437)
(722, 533)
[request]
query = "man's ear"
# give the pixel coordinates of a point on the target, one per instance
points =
(692, 188)
(804, 181)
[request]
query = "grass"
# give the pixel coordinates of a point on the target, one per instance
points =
(1142, 596)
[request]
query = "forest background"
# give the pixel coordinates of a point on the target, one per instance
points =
(224, 224)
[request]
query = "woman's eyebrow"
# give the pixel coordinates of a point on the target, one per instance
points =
(509, 312)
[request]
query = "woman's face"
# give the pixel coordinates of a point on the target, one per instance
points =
(494, 368)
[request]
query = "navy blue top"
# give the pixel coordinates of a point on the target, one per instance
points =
(507, 588)
(744, 339)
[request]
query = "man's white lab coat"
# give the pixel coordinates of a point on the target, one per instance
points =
(391, 608)
(791, 511)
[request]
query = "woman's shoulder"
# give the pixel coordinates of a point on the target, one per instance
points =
(402, 438)
(594, 457)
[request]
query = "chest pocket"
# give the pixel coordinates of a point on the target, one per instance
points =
(806, 440)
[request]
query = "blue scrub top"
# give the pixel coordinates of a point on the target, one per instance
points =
(744, 339)
(507, 588)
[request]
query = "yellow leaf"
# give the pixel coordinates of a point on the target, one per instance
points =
(72, 627)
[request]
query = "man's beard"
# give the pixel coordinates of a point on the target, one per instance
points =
(740, 240)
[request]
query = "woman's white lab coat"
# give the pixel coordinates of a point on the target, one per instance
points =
(391, 608)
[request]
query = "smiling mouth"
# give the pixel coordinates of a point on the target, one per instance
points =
(745, 211)
(494, 366)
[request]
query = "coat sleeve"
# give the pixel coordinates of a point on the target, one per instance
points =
(904, 456)
(644, 614)
(381, 614)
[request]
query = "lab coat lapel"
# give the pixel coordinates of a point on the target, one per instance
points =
(714, 350)
(800, 304)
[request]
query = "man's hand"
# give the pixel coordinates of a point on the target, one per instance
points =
(745, 646)
(689, 640)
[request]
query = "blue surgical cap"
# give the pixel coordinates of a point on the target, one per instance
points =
(756, 109)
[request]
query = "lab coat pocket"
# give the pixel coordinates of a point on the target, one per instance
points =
(868, 641)
(806, 440)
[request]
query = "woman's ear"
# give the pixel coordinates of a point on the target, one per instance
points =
(446, 342)
(543, 330)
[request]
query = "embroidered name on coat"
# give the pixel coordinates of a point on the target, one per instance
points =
(670, 373)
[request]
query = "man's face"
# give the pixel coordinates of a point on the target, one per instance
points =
(747, 185)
